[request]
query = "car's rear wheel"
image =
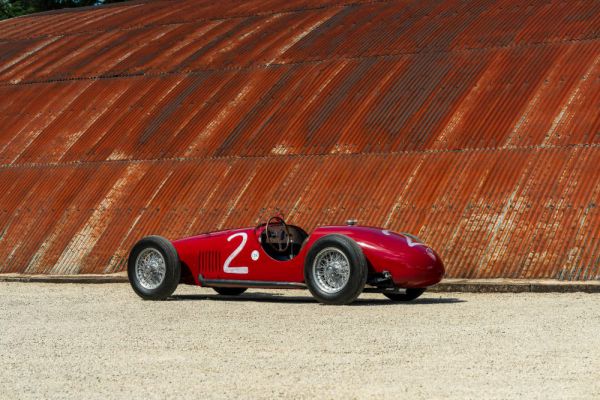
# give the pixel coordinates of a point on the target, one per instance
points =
(335, 270)
(410, 294)
(153, 268)
(229, 291)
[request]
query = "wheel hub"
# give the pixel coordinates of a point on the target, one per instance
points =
(150, 268)
(331, 270)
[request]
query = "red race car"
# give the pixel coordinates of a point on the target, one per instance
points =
(336, 263)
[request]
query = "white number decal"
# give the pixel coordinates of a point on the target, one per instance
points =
(236, 270)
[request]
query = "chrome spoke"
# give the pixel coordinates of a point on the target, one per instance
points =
(331, 270)
(150, 268)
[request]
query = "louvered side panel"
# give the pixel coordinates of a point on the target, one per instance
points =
(209, 263)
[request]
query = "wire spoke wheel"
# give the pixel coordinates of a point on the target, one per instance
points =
(150, 268)
(331, 270)
(335, 269)
(153, 268)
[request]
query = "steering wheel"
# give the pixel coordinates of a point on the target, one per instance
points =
(277, 245)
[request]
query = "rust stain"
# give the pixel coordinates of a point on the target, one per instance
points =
(474, 126)
(70, 260)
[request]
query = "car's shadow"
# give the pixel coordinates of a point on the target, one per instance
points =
(261, 297)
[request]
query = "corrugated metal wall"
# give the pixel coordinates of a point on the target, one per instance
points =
(473, 124)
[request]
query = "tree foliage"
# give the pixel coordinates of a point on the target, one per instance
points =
(14, 8)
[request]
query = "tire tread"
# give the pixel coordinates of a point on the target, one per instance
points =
(173, 266)
(358, 266)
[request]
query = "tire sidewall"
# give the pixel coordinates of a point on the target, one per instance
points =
(173, 269)
(358, 269)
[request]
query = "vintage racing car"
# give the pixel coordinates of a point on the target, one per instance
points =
(336, 263)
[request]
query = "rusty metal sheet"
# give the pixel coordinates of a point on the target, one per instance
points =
(251, 113)
(475, 125)
(199, 35)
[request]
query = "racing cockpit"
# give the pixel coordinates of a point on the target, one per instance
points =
(280, 240)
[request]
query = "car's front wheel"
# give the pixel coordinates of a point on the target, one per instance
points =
(335, 270)
(153, 268)
(410, 294)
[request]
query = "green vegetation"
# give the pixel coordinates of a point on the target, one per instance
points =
(14, 8)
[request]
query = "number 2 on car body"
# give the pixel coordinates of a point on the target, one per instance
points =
(236, 270)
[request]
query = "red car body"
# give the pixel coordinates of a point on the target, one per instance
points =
(236, 257)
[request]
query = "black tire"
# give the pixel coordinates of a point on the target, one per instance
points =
(173, 268)
(358, 270)
(410, 294)
(230, 291)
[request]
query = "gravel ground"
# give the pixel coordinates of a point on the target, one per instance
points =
(102, 341)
